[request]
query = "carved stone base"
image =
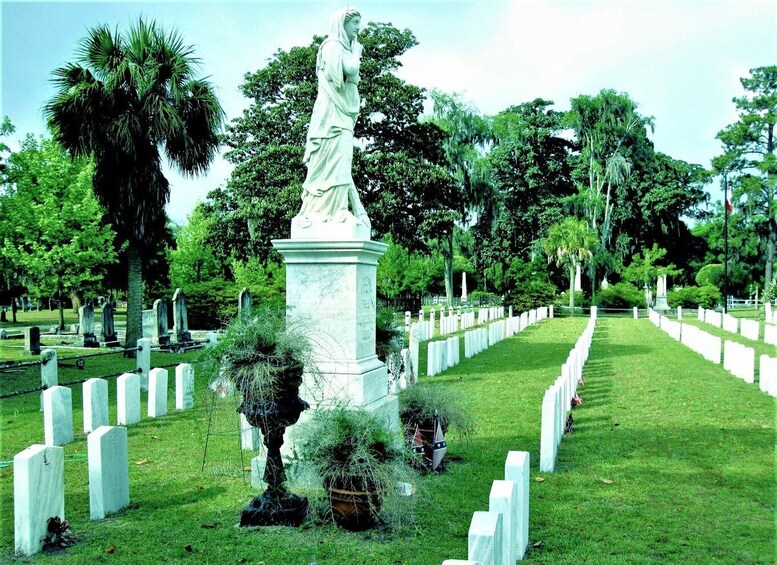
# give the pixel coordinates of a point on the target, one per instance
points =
(87, 340)
(269, 510)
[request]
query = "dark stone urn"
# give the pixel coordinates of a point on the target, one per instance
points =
(272, 414)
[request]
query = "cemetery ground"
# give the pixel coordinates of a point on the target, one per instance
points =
(671, 460)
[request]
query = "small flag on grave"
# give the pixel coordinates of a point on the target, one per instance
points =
(440, 447)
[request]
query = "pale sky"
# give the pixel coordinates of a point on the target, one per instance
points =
(680, 60)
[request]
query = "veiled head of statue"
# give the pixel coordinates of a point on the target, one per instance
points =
(345, 25)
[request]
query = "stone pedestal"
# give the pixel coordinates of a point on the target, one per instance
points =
(330, 295)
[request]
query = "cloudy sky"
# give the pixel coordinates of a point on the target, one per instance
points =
(681, 60)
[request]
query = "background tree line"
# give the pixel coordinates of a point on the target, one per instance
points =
(451, 192)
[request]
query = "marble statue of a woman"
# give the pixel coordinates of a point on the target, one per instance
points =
(328, 188)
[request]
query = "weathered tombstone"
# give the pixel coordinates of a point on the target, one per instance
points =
(503, 499)
(48, 371)
(157, 393)
(95, 397)
(58, 415)
(484, 539)
(244, 303)
(184, 386)
(108, 333)
(3, 334)
(128, 399)
(38, 494)
(212, 339)
(143, 362)
(3, 317)
(108, 471)
(160, 332)
(86, 336)
(517, 470)
(32, 340)
(180, 320)
(149, 323)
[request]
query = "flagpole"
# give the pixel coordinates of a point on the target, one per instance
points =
(725, 243)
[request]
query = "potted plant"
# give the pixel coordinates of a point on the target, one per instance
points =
(359, 461)
(418, 406)
(264, 358)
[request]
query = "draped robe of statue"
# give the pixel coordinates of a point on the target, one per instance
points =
(328, 188)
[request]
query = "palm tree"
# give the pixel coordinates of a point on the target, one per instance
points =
(129, 99)
(468, 136)
(570, 243)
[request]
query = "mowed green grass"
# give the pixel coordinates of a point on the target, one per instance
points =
(688, 448)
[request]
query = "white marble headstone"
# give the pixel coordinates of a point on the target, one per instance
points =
(157, 393)
(184, 386)
(128, 399)
(548, 431)
(249, 435)
(503, 499)
(38, 494)
(95, 396)
(143, 362)
(58, 415)
(517, 470)
(750, 329)
(108, 471)
(484, 539)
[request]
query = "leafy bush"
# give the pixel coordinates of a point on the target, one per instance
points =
(694, 296)
(388, 335)
(620, 295)
(710, 275)
(581, 300)
(419, 403)
(477, 297)
(210, 304)
(533, 294)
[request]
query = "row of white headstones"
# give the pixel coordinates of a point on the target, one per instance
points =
(738, 359)
(500, 535)
(39, 470)
(443, 354)
(749, 329)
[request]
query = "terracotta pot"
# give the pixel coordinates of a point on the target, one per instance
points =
(354, 510)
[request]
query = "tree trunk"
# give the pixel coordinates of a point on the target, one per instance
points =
(61, 306)
(448, 256)
(134, 298)
(771, 240)
(13, 309)
(572, 271)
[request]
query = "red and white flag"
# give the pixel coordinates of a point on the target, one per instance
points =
(440, 446)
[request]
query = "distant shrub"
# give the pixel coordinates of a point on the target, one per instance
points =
(533, 294)
(620, 295)
(477, 297)
(581, 300)
(707, 296)
(210, 304)
(710, 275)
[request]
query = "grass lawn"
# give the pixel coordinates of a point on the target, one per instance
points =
(689, 451)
